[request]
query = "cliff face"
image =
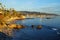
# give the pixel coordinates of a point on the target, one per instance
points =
(37, 13)
(28, 14)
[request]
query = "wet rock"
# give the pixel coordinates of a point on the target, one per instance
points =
(39, 26)
(32, 26)
(3, 36)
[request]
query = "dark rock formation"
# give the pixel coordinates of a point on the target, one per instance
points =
(3, 36)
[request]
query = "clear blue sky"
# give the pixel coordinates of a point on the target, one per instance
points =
(52, 6)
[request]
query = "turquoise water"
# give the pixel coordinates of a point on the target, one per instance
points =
(50, 29)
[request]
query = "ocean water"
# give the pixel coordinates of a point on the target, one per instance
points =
(50, 29)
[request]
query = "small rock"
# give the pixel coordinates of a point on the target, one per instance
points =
(39, 27)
